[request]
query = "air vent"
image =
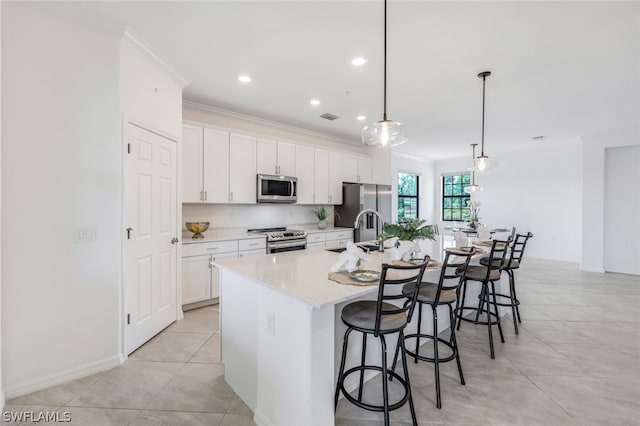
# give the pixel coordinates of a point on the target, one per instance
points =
(330, 117)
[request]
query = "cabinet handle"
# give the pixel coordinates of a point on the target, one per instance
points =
(205, 195)
(231, 196)
(329, 199)
(254, 244)
(212, 248)
(201, 196)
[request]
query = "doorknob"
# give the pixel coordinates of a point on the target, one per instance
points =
(174, 240)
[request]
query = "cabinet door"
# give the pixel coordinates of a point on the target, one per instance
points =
(191, 164)
(335, 178)
(365, 172)
(196, 279)
(286, 159)
(215, 273)
(305, 174)
(266, 150)
(242, 169)
(321, 173)
(349, 167)
(216, 166)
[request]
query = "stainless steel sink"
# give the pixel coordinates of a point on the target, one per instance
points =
(365, 247)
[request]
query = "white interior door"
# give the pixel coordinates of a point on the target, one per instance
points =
(150, 250)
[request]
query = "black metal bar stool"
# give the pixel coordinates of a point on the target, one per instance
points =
(487, 276)
(444, 292)
(513, 263)
(380, 318)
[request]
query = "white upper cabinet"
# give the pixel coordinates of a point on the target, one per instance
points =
(216, 166)
(356, 168)
(335, 177)
(242, 169)
(321, 173)
(275, 158)
(305, 174)
(192, 191)
(286, 159)
(365, 172)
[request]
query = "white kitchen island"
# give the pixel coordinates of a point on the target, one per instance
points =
(278, 334)
(281, 333)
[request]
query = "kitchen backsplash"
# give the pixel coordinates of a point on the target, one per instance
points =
(252, 216)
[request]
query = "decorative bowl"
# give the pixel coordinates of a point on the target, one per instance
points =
(197, 228)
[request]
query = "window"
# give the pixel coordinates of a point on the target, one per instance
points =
(407, 197)
(455, 202)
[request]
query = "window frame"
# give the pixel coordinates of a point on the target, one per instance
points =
(416, 196)
(461, 197)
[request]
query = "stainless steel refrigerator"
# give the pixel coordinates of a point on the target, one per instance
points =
(357, 197)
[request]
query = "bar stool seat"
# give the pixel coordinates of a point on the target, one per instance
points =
(478, 273)
(362, 316)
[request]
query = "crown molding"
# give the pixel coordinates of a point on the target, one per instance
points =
(141, 46)
(265, 122)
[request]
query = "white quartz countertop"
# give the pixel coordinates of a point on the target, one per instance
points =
(222, 234)
(219, 235)
(302, 275)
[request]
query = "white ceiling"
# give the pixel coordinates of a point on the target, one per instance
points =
(562, 70)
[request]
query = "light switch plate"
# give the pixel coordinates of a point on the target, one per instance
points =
(85, 234)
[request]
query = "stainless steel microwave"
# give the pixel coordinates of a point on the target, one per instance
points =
(277, 189)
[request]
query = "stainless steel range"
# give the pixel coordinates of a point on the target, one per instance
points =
(282, 239)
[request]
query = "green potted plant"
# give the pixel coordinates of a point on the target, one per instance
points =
(321, 213)
(408, 231)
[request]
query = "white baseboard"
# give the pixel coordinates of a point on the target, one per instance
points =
(63, 377)
(1, 400)
(260, 419)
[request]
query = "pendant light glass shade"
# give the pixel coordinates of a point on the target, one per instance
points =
(482, 162)
(384, 133)
(473, 187)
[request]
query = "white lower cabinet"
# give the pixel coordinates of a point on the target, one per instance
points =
(316, 239)
(200, 278)
(338, 238)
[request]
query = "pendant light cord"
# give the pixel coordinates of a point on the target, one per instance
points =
(484, 79)
(384, 114)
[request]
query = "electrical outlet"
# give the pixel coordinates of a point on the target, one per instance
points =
(271, 323)
(85, 234)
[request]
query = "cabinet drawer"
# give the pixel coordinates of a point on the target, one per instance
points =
(213, 247)
(253, 244)
(245, 253)
(341, 235)
(315, 238)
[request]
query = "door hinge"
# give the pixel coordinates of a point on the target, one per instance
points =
(128, 319)
(129, 233)
(128, 148)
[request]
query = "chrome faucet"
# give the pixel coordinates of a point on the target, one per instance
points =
(356, 225)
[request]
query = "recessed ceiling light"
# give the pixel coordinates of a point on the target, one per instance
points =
(362, 117)
(244, 78)
(358, 61)
(314, 102)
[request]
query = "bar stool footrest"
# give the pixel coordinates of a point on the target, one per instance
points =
(473, 321)
(429, 359)
(364, 405)
(516, 302)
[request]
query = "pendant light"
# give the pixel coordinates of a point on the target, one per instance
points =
(473, 187)
(482, 162)
(385, 133)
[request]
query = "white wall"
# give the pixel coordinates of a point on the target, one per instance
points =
(593, 163)
(622, 210)
(425, 168)
(61, 169)
(536, 190)
(252, 216)
(1, 383)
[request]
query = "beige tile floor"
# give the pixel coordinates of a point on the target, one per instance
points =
(576, 361)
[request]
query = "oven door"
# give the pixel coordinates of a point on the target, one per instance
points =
(282, 246)
(276, 189)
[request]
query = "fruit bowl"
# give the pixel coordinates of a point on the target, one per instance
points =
(197, 228)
